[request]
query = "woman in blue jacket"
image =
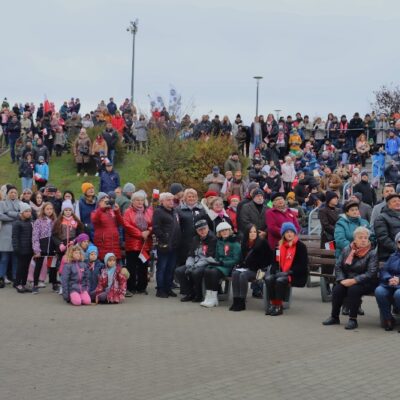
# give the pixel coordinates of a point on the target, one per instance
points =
(346, 225)
(388, 291)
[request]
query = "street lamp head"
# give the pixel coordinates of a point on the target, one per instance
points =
(133, 26)
(257, 77)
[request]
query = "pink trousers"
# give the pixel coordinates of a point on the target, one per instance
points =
(78, 299)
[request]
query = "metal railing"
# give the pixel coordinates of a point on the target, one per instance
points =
(315, 228)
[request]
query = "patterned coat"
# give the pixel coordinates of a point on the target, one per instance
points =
(117, 291)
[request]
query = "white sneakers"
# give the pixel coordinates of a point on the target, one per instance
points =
(211, 299)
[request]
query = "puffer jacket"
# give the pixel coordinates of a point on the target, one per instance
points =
(74, 278)
(344, 230)
(390, 269)
(228, 254)
(133, 235)
(200, 250)
(363, 270)
(22, 236)
(106, 235)
(26, 169)
(386, 227)
(42, 242)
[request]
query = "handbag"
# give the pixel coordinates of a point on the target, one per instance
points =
(260, 275)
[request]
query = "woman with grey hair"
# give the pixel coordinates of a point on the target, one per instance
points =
(138, 224)
(356, 275)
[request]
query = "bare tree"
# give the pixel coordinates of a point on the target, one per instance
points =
(387, 100)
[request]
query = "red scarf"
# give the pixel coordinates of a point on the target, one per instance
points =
(358, 252)
(286, 255)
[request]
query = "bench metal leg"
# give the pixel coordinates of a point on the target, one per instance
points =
(326, 290)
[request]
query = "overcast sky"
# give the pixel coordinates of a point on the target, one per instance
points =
(315, 56)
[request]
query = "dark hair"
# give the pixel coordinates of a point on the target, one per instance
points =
(57, 228)
(245, 240)
(33, 198)
(72, 195)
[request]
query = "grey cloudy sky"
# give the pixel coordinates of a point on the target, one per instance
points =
(315, 56)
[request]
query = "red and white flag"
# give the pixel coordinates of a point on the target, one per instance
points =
(144, 256)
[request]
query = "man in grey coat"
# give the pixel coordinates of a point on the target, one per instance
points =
(388, 189)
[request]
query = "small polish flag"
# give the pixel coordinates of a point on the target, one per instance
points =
(330, 245)
(144, 256)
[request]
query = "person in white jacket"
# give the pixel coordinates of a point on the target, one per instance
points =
(288, 173)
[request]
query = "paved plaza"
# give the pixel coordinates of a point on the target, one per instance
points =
(161, 349)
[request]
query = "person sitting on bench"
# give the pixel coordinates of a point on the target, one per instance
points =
(256, 254)
(289, 269)
(356, 275)
(388, 291)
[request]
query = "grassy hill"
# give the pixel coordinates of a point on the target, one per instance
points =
(63, 172)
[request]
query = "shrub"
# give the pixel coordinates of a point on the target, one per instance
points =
(186, 161)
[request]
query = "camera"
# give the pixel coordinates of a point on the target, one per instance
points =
(110, 202)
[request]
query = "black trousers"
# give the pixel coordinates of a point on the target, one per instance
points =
(352, 294)
(212, 276)
(138, 272)
(277, 286)
(22, 268)
(190, 281)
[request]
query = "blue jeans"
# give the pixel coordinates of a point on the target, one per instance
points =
(26, 183)
(384, 296)
(12, 140)
(111, 155)
(4, 260)
(165, 270)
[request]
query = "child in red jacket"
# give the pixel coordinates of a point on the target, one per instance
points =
(111, 287)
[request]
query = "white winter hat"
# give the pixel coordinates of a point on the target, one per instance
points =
(223, 226)
(24, 207)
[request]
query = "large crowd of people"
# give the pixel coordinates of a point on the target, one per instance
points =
(98, 246)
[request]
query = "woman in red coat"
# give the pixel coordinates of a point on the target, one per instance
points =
(276, 216)
(106, 219)
(138, 228)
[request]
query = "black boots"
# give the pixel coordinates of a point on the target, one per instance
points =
(276, 310)
(238, 304)
(351, 324)
(331, 321)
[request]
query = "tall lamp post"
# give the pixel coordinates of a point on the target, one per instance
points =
(257, 78)
(133, 28)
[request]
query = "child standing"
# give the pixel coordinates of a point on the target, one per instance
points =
(75, 278)
(111, 287)
(22, 245)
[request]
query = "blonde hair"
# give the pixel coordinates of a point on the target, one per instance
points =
(189, 191)
(70, 252)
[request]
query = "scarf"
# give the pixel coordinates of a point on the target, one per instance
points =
(357, 252)
(110, 276)
(140, 219)
(286, 255)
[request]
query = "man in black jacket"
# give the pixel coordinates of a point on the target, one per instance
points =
(190, 275)
(328, 216)
(365, 188)
(253, 212)
(111, 137)
(167, 230)
(387, 226)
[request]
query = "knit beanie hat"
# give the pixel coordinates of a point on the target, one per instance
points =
(24, 207)
(81, 238)
(291, 196)
(176, 188)
(92, 249)
(349, 204)
(288, 226)
(330, 195)
(256, 193)
(101, 196)
(128, 188)
(67, 204)
(86, 186)
(222, 226)
(107, 257)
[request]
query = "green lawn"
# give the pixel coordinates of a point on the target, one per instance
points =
(63, 172)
